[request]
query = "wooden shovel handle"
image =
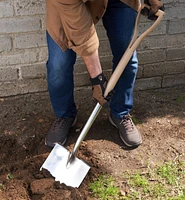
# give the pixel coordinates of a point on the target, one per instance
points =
(131, 48)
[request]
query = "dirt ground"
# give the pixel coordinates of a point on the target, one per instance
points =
(159, 116)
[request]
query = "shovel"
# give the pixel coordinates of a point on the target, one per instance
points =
(65, 166)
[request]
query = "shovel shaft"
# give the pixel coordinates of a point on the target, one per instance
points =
(86, 128)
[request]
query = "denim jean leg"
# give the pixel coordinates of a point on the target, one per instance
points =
(60, 67)
(119, 21)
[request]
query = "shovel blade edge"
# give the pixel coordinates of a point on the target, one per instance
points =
(56, 164)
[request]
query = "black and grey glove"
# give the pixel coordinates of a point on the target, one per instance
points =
(155, 5)
(99, 84)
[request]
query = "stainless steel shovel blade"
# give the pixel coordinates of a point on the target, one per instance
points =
(65, 166)
(56, 164)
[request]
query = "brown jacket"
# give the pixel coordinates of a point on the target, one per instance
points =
(71, 22)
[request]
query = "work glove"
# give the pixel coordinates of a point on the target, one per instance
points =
(155, 5)
(99, 84)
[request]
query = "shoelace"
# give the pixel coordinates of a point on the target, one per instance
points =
(59, 123)
(127, 122)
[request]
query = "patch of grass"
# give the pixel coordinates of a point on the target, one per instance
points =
(139, 181)
(180, 99)
(103, 188)
(163, 182)
(181, 197)
(169, 172)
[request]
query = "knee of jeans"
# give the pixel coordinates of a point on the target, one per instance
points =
(57, 64)
(57, 77)
(54, 81)
(59, 69)
(59, 86)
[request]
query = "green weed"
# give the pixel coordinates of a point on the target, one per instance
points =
(104, 189)
(135, 120)
(10, 176)
(2, 187)
(180, 99)
(170, 172)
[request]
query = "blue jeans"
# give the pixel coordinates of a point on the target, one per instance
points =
(118, 21)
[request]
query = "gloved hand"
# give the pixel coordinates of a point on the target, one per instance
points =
(154, 6)
(99, 84)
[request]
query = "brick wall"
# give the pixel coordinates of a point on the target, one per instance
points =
(23, 50)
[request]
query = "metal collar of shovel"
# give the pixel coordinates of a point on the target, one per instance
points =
(65, 166)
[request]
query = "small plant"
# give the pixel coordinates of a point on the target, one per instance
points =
(10, 176)
(135, 120)
(139, 180)
(180, 99)
(2, 187)
(103, 188)
(159, 190)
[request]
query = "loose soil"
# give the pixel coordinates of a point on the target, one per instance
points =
(159, 116)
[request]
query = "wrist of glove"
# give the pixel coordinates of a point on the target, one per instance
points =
(155, 5)
(99, 84)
